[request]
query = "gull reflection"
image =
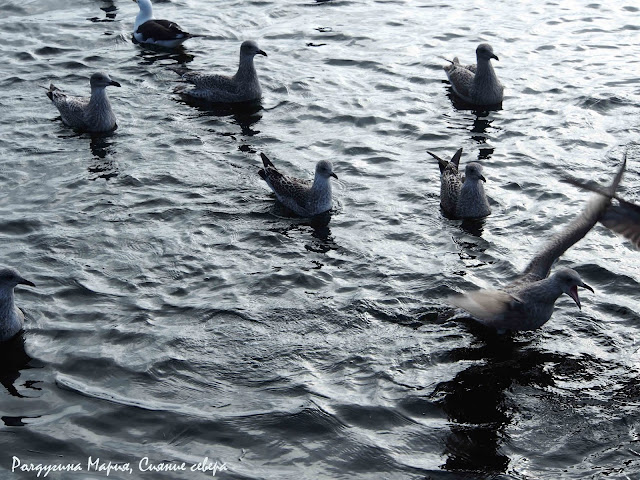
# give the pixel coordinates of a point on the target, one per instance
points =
(478, 406)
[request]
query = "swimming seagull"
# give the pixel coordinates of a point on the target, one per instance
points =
(242, 87)
(476, 84)
(303, 197)
(11, 318)
(462, 197)
(164, 33)
(528, 302)
(90, 114)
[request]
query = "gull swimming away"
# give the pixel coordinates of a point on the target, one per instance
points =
(242, 87)
(476, 84)
(462, 196)
(303, 197)
(89, 114)
(528, 302)
(11, 317)
(164, 33)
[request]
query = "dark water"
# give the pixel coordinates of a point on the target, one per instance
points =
(179, 316)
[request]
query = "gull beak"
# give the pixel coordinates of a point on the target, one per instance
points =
(334, 175)
(495, 57)
(113, 82)
(262, 52)
(483, 179)
(584, 285)
(573, 293)
(24, 281)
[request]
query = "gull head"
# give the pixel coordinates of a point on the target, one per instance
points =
(569, 281)
(324, 168)
(102, 80)
(473, 171)
(485, 52)
(9, 278)
(250, 48)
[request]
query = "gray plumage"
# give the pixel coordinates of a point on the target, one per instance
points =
(303, 197)
(244, 86)
(462, 196)
(528, 302)
(476, 84)
(92, 114)
(11, 317)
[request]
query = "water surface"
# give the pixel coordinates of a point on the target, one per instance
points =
(179, 315)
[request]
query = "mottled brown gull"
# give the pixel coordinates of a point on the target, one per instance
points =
(11, 317)
(92, 114)
(528, 302)
(462, 197)
(244, 86)
(303, 197)
(476, 84)
(164, 33)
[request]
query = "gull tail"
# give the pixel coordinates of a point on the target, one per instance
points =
(443, 163)
(266, 162)
(52, 91)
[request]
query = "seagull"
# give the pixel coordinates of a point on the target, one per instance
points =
(303, 197)
(90, 114)
(476, 84)
(462, 197)
(163, 33)
(242, 87)
(528, 302)
(11, 318)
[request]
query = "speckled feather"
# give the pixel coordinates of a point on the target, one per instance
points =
(462, 196)
(304, 197)
(89, 114)
(244, 86)
(477, 84)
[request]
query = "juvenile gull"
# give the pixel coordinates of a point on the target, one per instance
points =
(476, 84)
(11, 318)
(89, 114)
(462, 197)
(303, 197)
(528, 302)
(242, 87)
(164, 33)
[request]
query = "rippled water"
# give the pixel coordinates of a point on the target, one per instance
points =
(178, 315)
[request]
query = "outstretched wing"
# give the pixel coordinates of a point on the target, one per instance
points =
(625, 220)
(541, 263)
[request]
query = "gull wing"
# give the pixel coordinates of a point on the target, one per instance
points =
(493, 308)
(540, 265)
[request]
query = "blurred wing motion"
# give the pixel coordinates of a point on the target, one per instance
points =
(625, 220)
(490, 307)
